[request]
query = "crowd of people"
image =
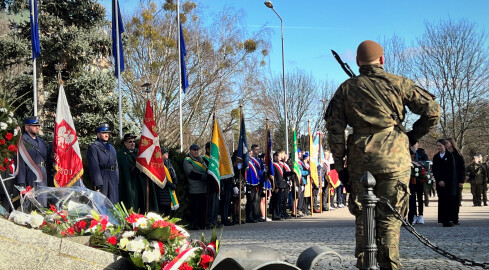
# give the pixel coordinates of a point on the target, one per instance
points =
(115, 174)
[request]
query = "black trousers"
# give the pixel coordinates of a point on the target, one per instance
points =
(277, 202)
(416, 191)
(197, 209)
(251, 198)
(226, 199)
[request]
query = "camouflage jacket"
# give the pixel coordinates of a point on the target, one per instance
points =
(477, 173)
(375, 144)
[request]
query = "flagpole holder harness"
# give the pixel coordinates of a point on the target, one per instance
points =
(369, 201)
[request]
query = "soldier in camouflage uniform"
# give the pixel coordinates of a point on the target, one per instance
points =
(477, 177)
(378, 143)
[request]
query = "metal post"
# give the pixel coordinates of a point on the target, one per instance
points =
(118, 64)
(180, 82)
(34, 71)
(270, 5)
(369, 201)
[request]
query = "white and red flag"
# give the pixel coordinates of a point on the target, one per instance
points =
(67, 156)
(150, 159)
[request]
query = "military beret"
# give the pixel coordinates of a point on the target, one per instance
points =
(128, 136)
(194, 147)
(103, 128)
(32, 120)
(369, 50)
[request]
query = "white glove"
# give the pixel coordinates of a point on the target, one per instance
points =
(296, 189)
(303, 188)
(236, 190)
(240, 165)
(244, 189)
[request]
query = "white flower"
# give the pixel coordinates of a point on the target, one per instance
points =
(154, 216)
(151, 256)
(416, 169)
(3, 126)
(123, 242)
(142, 223)
(11, 114)
(36, 220)
(136, 245)
(3, 110)
(128, 234)
(9, 120)
(20, 218)
(183, 231)
(15, 132)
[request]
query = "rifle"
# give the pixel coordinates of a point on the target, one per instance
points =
(343, 65)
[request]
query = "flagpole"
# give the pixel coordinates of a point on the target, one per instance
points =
(268, 173)
(239, 204)
(34, 71)
(116, 9)
(310, 176)
(148, 90)
(320, 147)
(180, 81)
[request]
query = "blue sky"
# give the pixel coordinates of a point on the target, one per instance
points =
(312, 28)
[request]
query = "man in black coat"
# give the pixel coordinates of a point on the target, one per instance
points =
(38, 152)
(102, 164)
(163, 194)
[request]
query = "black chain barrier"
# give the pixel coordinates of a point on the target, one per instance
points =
(426, 242)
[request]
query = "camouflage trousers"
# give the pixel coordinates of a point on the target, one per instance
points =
(394, 187)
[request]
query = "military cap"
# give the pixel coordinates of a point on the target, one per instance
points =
(163, 150)
(103, 128)
(194, 147)
(128, 136)
(32, 120)
(369, 50)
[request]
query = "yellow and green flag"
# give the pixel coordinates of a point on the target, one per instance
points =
(220, 166)
(312, 160)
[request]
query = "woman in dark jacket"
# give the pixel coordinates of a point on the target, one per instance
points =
(459, 165)
(445, 173)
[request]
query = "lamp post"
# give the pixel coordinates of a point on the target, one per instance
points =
(270, 5)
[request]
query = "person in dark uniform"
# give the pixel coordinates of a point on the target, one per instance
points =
(163, 194)
(102, 164)
(212, 193)
(133, 182)
(38, 152)
(196, 173)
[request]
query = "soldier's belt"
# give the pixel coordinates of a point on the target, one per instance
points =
(42, 164)
(111, 168)
(372, 130)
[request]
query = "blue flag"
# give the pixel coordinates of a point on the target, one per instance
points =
(36, 48)
(183, 53)
(116, 37)
(243, 152)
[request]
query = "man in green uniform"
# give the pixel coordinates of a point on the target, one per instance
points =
(133, 184)
(477, 178)
(378, 142)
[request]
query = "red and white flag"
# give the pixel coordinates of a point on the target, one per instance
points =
(66, 149)
(150, 159)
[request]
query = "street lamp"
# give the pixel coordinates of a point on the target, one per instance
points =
(270, 5)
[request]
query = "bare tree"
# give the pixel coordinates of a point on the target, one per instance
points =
(452, 62)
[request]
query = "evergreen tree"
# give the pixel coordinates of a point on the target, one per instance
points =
(76, 35)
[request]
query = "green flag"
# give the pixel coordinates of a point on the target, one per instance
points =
(295, 158)
(220, 165)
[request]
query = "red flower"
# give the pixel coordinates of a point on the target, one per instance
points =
(70, 231)
(177, 250)
(44, 224)
(133, 218)
(6, 161)
(12, 148)
(185, 266)
(162, 248)
(112, 240)
(161, 224)
(52, 208)
(205, 260)
(9, 136)
(58, 222)
(93, 223)
(103, 222)
(80, 225)
(2, 141)
(63, 233)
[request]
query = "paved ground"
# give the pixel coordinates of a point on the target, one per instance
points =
(335, 229)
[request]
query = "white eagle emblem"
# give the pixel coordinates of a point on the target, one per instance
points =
(65, 137)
